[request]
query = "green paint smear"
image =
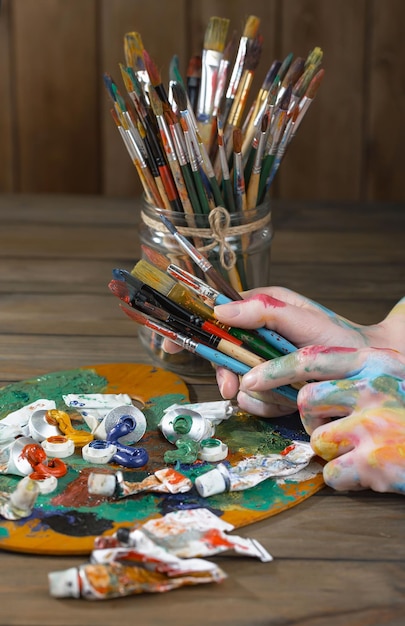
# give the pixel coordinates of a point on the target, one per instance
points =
(50, 386)
(3, 532)
(386, 384)
(251, 435)
(154, 408)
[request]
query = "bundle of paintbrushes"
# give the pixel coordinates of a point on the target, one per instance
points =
(197, 145)
(177, 305)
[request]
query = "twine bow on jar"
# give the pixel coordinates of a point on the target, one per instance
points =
(220, 233)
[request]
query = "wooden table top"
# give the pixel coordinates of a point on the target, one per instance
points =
(338, 557)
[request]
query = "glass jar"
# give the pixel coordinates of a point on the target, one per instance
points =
(238, 245)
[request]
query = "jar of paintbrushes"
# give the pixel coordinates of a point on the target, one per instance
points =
(233, 248)
(206, 161)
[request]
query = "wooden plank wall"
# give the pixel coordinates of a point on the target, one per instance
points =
(56, 134)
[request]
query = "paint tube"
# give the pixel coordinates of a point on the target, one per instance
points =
(215, 411)
(186, 534)
(253, 470)
(165, 480)
(152, 570)
(20, 502)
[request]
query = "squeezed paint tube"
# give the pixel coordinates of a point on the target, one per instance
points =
(189, 533)
(215, 411)
(166, 480)
(20, 502)
(180, 422)
(253, 470)
(93, 407)
(18, 420)
(153, 570)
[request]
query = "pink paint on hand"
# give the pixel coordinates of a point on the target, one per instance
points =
(268, 300)
(314, 350)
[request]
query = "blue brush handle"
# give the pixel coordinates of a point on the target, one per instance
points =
(272, 338)
(219, 358)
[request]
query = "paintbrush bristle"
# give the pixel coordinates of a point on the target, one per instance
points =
(180, 96)
(136, 316)
(251, 27)
(215, 34)
(156, 258)
(120, 289)
(294, 71)
(133, 51)
(155, 102)
(253, 53)
(153, 277)
(237, 140)
(314, 84)
(194, 67)
(151, 68)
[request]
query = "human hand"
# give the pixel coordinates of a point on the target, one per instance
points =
(300, 320)
(365, 389)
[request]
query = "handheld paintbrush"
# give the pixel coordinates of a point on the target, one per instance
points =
(159, 308)
(273, 338)
(170, 289)
(200, 330)
(211, 297)
(216, 357)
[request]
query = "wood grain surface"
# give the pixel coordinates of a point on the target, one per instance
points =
(338, 558)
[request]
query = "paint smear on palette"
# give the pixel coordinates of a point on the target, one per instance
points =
(68, 520)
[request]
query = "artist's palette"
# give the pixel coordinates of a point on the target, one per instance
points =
(68, 520)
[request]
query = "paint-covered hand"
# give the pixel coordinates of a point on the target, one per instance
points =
(303, 322)
(355, 414)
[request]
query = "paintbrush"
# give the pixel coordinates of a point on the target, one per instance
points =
(253, 54)
(307, 99)
(277, 128)
(171, 153)
(288, 132)
(152, 305)
(226, 179)
(170, 289)
(213, 297)
(259, 109)
(206, 352)
(198, 329)
(249, 158)
(250, 31)
(253, 187)
(154, 77)
(147, 180)
(201, 261)
(214, 44)
(293, 74)
(238, 177)
(202, 197)
(133, 51)
(193, 80)
(273, 338)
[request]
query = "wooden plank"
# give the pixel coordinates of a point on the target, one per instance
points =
(325, 160)
(163, 29)
(386, 116)
(56, 98)
(7, 173)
